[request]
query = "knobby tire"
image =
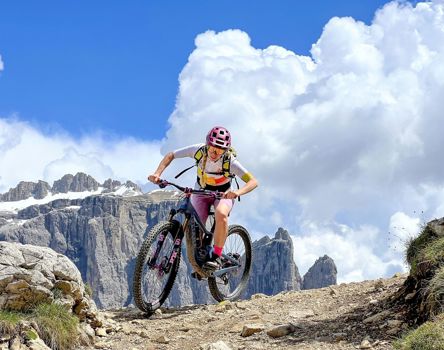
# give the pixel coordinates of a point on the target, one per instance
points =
(217, 294)
(170, 228)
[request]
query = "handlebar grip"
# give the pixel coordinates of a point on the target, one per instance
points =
(163, 183)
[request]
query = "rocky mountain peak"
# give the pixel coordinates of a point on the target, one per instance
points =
(26, 189)
(133, 186)
(77, 183)
(322, 274)
(273, 265)
(111, 184)
(282, 234)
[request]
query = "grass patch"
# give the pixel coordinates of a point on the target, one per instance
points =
(88, 290)
(435, 293)
(57, 326)
(8, 321)
(421, 253)
(434, 252)
(429, 336)
(429, 258)
(31, 335)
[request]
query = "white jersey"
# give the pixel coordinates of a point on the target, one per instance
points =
(217, 179)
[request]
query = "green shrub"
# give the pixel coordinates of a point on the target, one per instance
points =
(8, 321)
(429, 336)
(56, 325)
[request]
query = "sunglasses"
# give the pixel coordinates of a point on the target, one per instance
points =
(217, 150)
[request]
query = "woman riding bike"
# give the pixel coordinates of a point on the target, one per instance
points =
(216, 166)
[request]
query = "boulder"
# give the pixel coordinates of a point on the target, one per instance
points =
(30, 275)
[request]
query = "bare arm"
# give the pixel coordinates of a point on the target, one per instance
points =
(155, 178)
(248, 187)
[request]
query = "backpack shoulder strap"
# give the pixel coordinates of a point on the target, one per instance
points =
(197, 157)
(226, 162)
(200, 153)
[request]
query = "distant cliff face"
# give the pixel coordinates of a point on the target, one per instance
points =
(273, 268)
(102, 235)
(322, 274)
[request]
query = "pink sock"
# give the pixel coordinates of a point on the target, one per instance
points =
(217, 250)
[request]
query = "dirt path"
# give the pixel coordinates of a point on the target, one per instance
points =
(347, 316)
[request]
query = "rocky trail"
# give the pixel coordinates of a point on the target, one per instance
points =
(346, 316)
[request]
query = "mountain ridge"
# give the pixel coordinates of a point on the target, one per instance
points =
(80, 182)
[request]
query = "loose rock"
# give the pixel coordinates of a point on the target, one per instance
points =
(250, 329)
(281, 330)
(220, 345)
(163, 340)
(365, 344)
(101, 332)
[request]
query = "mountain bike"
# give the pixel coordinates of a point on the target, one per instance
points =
(158, 260)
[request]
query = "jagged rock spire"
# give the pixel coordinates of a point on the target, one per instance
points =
(322, 274)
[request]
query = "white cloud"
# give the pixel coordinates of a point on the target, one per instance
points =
(349, 136)
(1, 63)
(71, 161)
(402, 229)
(355, 251)
(28, 154)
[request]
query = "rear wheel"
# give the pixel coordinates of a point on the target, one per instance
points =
(231, 284)
(152, 280)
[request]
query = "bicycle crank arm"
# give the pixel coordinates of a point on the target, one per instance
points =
(224, 270)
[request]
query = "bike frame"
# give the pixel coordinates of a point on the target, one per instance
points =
(187, 209)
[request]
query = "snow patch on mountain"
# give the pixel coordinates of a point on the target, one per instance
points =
(18, 205)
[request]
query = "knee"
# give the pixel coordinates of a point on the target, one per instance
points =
(221, 216)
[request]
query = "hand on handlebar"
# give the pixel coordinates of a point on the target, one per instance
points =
(155, 179)
(230, 194)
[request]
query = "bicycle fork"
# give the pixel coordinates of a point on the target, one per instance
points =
(164, 266)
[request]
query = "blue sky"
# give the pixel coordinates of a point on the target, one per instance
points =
(114, 66)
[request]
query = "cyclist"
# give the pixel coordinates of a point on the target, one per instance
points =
(215, 160)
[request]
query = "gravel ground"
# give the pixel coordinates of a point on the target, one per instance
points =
(346, 316)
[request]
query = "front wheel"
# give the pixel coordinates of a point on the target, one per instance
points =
(156, 266)
(230, 285)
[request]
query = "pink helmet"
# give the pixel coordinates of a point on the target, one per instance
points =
(219, 137)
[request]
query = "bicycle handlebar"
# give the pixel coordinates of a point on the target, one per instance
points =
(188, 190)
